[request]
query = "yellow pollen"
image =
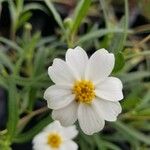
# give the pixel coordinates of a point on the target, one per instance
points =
(54, 140)
(84, 91)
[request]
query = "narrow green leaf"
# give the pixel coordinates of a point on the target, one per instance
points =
(110, 145)
(27, 136)
(14, 17)
(13, 114)
(34, 82)
(30, 44)
(97, 34)
(99, 142)
(39, 62)
(105, 11)
(11, 44)
(5, 60)
(34, 6)
(145, 112)
(55, 13)
(19, 6)
(132, 132)
(119, 62)
(103, 144)
(24, 18)
(130, 102)
(1, 1)
(138, 54)
(46, 40)
(3, 83)
(144, 102)
(12, 9)
(126, 78)
(120, 38)
(79, 14)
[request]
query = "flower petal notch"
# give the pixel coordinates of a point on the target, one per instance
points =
(84, 90)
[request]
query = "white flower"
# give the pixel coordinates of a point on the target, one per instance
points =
(56, 137)
(83, 90)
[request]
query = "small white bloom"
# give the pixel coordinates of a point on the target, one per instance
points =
(83, 90)
(56, 137)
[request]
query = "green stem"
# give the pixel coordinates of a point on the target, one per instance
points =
(105, 11)
(144, 53)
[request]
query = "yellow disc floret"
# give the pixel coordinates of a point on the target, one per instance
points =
(84, 91)
(54, 140)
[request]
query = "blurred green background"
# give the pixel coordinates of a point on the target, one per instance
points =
(34, 32)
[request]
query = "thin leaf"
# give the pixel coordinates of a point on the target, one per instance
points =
(5, 60)
(105, 11)
(35, 82)
(46, 40)
(144, 102)
(27, 136)
(132, 132)
(3, 83)
(126, 78)
(14, 17)
(1, 1)
(34, 6)
(12, 110)
(119, 62)
(11, 44)
(99, 142)
(55, 13)
(19, 6)
(120, 38)
(79, 14)
(103, 144)
(39, 63)
(24, 18)
(110, 145)
(97, 34)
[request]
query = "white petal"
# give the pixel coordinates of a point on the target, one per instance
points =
(77, 59)
(67, 115)
(61, 73)
(55, 125)
(100, 65)
(109, 110)
(57, 91)
(40, 138)
(42, 147)
(40, 141)
(61, 102)
(90, 119)
(58, 96)
(70, 132)
(69, 145)
(110, 89)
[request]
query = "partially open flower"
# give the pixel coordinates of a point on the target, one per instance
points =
(83, 90)
(56, 137)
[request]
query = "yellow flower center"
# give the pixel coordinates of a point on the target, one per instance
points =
(54, 140)
(84, 91)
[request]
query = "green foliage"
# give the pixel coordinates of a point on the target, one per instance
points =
(79, 14)
(119, 62)
(55, 13)
(131, 133)
(120, 38)
(24, 137)
(13, 114)
(24, 60)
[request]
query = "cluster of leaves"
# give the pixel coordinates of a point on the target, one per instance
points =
(23, 73)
